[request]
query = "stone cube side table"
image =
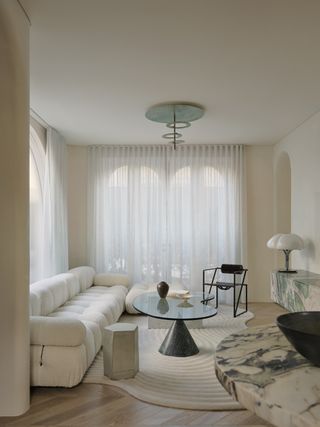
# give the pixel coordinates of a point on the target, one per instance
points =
(120, 351)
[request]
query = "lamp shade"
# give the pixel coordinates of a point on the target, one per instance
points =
(272, 243)
(285, 242)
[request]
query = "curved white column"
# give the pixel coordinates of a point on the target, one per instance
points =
(14, 209)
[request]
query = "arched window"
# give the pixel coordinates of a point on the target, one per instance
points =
(148, 177)
(119, 178)
(212, 178)
(182, 177)
(36, 182)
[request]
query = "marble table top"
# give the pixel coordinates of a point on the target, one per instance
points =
(261, 369)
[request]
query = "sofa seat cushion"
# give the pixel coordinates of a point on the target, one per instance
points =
(45, 330)
(96, 308)
(98, 304)
(141, 288)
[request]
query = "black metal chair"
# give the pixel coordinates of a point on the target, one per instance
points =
(237, 271)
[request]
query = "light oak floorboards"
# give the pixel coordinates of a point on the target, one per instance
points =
(90, 405)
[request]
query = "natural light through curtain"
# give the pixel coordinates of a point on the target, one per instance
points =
(48, 205)
(55, 217)
(160, 214)
(36, 183)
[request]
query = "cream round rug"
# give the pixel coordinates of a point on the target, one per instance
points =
(186, 383)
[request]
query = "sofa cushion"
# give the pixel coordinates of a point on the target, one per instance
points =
(68, 332)
(141, 288)
(46, 330)
(73, 284)
(85, 276)
(93, 339)
(99, 304)
(107, 279)
(62, 366)
(48, 294)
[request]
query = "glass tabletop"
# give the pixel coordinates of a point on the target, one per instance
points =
(174, 308)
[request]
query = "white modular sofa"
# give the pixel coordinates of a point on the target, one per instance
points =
(68, 313)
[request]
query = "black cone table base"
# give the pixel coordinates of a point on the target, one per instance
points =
(178, 341)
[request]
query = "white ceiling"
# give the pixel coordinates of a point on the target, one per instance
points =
(97, 65)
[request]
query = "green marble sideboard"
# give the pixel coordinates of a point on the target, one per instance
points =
(296, 291)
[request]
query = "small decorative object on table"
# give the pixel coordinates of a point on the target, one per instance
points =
(183, 293)
(163, 306)
(163, 289)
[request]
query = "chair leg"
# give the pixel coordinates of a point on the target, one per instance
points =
(205, 299)
(217, 297)
(236, 305)
(204, 294)
(246, 298)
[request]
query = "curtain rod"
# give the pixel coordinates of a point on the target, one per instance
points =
(158, 145)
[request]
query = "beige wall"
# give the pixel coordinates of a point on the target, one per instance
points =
(259, 214)
(14, 212)
(77, 205)
(259, 167)
(303, 148)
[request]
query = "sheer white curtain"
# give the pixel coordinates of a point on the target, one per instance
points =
(55, 230)
(36, 184)
(159, 214)
(127, 210)
(206, 203)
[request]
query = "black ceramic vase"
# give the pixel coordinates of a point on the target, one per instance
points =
(163, 306)
(163, 289)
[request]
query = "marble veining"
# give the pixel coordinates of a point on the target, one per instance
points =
(296, 292)
(261, 369)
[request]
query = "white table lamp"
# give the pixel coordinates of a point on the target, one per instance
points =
(286, 243)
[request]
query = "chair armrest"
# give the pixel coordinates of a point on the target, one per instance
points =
(212, 268)
(106, 279)
(56, 331)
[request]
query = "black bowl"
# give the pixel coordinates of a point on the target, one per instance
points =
(302, 329)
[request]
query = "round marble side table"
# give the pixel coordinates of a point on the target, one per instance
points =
(262, 370)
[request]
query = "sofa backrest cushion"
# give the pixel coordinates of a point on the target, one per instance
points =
(49, 294)
(109, 279)
(85, 276)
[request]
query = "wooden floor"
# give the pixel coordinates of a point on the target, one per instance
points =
(90, 405)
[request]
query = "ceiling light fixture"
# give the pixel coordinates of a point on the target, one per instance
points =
(176, 117)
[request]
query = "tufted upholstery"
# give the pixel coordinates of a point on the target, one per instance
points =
(48, 294)
(67, 299)
(85, 276)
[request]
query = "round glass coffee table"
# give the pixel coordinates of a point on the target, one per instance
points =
(178, 341)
